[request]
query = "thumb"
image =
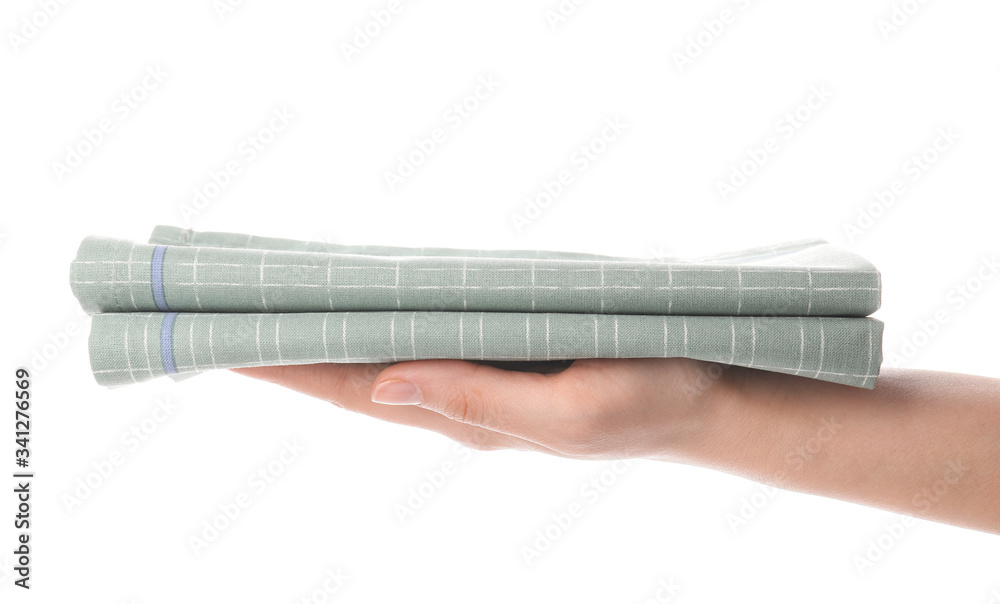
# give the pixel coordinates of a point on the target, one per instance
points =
(511, 402)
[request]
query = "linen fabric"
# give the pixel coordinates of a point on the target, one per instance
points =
(189, 301)
(113, 275)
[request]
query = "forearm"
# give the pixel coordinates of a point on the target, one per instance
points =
(922, 443)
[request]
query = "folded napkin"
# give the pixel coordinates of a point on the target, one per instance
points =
(189, 301)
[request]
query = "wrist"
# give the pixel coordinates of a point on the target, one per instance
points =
(716, 399)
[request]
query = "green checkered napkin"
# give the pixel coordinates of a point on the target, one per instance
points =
(190, 301)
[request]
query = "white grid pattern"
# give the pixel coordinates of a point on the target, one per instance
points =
(410, 292)
(195, 332)
(403, 281)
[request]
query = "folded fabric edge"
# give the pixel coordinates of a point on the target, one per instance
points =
(172, 235)
(133, 347)
(103, 252)
(123, 276)
(761, 251)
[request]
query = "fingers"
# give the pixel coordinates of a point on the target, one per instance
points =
(341, 384)
(349, 386)
(594, 409)
(526, 405)
(608, 408)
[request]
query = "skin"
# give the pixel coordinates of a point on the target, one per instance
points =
(922, 443)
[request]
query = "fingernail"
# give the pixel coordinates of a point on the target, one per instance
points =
(397, 392)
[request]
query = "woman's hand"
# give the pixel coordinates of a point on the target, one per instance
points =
(594, 409)
(921, 443)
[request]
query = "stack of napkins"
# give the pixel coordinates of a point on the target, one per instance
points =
(187, 302)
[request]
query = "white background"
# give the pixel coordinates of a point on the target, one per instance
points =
(654, 191)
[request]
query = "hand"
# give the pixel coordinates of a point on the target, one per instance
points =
(921, 443)
(594, 409)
